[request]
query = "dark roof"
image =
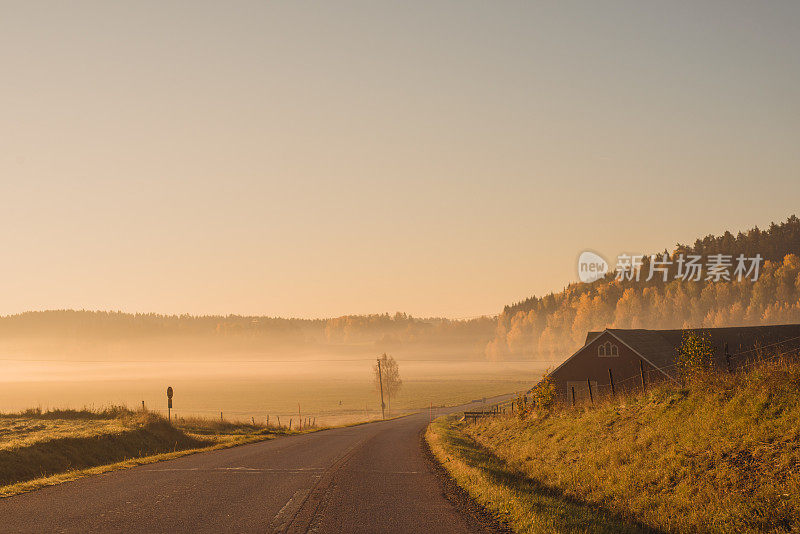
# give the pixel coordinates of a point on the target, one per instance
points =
(591, 336)
(660, 347)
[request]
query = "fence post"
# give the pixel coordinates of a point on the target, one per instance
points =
(727, 358)
(591, 397)
(573, 396)
(641, 370)
(611, 377)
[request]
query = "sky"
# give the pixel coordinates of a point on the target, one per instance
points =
(316, 159)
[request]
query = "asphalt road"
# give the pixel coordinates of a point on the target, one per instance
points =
(368, 478)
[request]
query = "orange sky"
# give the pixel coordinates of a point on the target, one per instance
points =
(312, 159)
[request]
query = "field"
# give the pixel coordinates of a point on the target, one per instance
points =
(335, 392)
(719, 455)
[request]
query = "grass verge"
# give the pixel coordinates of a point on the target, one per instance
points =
(522, 503)
(721, 455)
(44, 448)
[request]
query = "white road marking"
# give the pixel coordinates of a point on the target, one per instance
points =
(241, 469)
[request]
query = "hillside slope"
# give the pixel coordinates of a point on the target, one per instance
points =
(721, 455)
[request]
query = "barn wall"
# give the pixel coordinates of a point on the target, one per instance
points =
(586, 364)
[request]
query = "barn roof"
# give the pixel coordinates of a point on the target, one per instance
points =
(660, 347)
(591, 337)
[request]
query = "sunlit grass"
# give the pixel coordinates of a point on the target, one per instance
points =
(720, 455)
(524, 504)
(40, 448)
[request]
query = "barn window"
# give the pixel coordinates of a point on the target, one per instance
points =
(607, 350)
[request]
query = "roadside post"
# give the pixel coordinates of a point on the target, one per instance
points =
(169, 403)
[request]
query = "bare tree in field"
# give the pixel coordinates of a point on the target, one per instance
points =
(390, 374)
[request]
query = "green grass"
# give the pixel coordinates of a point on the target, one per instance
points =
(41, 448)
(720, 455)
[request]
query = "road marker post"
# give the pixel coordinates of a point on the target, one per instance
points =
(169, 403)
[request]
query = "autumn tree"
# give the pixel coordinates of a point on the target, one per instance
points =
(389, 375)
(695, 353)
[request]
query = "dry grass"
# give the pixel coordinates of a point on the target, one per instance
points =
(42, 448)
(720, 455)
(522, 503)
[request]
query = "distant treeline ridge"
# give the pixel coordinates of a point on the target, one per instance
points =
(554, 325)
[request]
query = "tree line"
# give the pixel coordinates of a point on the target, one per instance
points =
(383, 330)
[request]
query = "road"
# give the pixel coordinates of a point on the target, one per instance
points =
(368, 478)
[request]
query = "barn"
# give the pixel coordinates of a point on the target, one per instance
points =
(632, 358)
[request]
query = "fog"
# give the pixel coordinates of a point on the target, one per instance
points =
(333, 384)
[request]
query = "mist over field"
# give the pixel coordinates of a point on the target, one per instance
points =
(245, 367)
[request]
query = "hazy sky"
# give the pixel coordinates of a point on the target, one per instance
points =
(323, 158)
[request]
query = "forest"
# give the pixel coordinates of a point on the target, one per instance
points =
(556, 324)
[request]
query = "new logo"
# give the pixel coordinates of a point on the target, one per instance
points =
(591, 267)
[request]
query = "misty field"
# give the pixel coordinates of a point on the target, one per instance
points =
(333, 392)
